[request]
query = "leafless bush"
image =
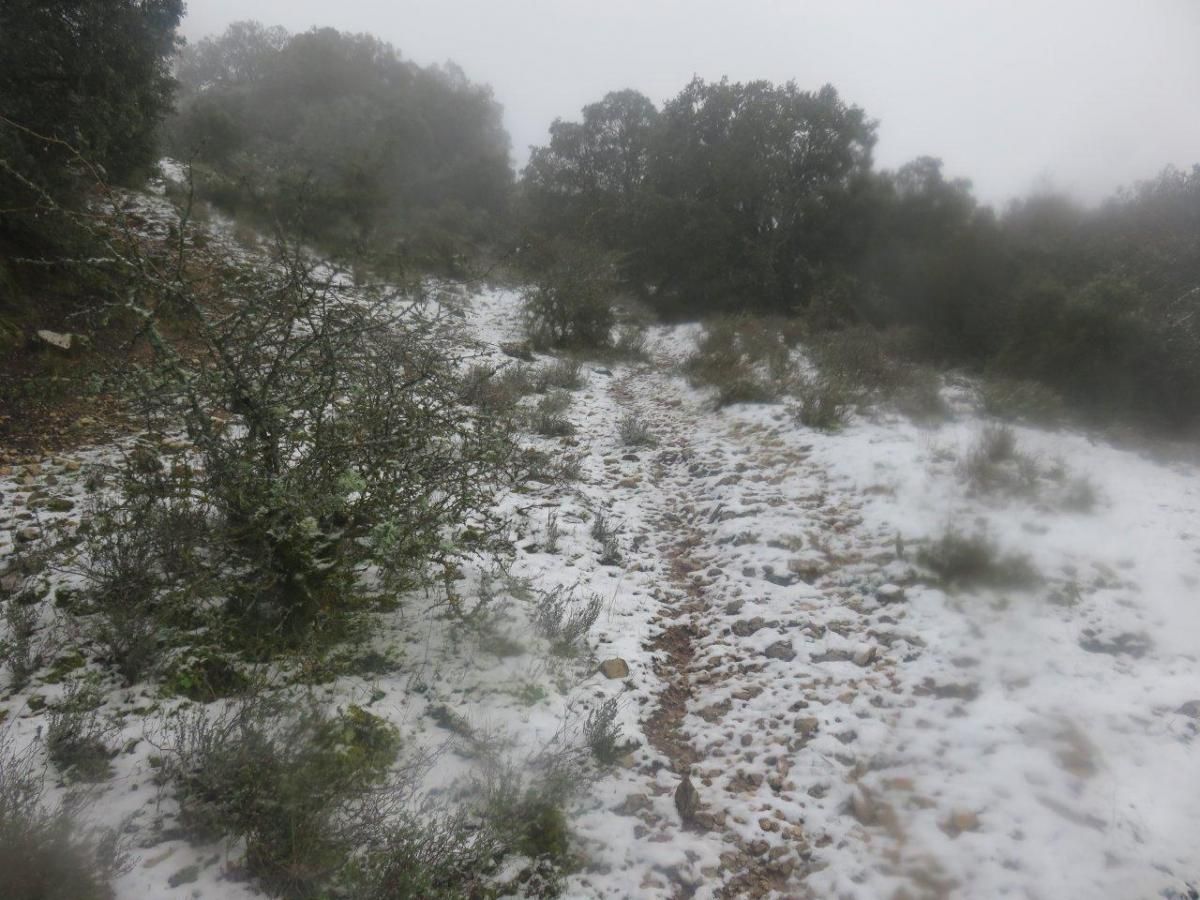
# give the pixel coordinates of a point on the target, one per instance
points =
(565, 621)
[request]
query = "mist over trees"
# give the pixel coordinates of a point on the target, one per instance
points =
(758, 197)
(342, 140)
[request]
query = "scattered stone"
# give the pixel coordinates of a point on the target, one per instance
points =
(10, 582)
(733, 607)
(781, 650)
(863, 807)
(57, 339)
(864, 655)
(72, 465)
(614, 668)
(687, 800)
(186, 875)
(1127, 644)
(747, 627)
(1190, 709)
(960, 820)
(517, 350)
(634, 804)
(889, 593)
(28, 534)
(599, 370)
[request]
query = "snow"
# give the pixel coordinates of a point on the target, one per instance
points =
(921, 740)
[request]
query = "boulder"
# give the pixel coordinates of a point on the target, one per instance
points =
(614, 668)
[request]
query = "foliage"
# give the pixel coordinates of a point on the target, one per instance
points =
(972, 560)
(565, 621)
(570, 304)
(362, 152)
(733, 194)
(44, 855)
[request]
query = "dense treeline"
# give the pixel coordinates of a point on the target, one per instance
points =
(336, 136)
(83, 86)
(755, 196)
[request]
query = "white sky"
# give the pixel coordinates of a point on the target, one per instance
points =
(1077, 95)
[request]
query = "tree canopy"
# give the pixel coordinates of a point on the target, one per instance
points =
(336, 133)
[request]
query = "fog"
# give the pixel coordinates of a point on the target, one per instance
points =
(1070, 95)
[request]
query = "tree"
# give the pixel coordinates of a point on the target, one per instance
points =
(733, 194)
(93, 74)
(365, 153)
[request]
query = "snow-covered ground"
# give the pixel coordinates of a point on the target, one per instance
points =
(853, 729)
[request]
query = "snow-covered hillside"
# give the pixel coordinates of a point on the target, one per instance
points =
(886, 676)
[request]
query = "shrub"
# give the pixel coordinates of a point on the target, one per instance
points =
(822, 404)
(18, 650)
(994, 464)
(564, 374)
(732, 355)
(968, 560)
(43, 854)
(602, 733)
(324, 435)
(77, 739)
(606, 536)
(565, 621)
(1015, 398)
(571, 304)
(547, 417)
(634, 432)
(288, 787)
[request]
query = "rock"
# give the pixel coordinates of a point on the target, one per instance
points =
(1190, 709)
(57, 339)
(28, 534)
(10, 582)
(863, 807)
(633, 804)
(807, 726)
(889, 593)
(687, 800)
(72, 465)
(961, 820)
(781, 650)
(747, 627)
(864, 655)
(614, 668)
(600, 370)
(517, 350)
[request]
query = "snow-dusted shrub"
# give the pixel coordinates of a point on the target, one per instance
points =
(970, 560)
(18, 651)
(634, 432)
(602, 734)
(741, 358)
(77, 738)
(570, 304)
(565, 621)
(292, 785)
(631, 343)
(321, 806)
(43, 853)
(547, 417)
(872, 365)
(323, 435)
(821, 403)
(606, 536)
(1015, 398)
(563, 374)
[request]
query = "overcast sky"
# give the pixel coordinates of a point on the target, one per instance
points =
(1075, 95)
